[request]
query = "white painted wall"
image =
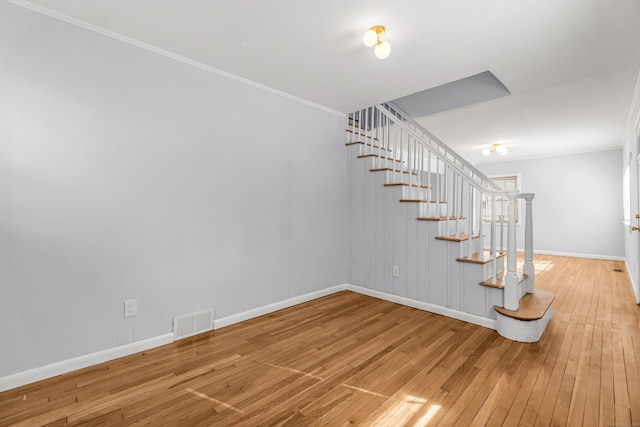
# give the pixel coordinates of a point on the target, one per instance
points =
(630, 150)
(578, 205)
(126, 174)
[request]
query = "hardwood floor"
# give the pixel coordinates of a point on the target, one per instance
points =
(348, 359)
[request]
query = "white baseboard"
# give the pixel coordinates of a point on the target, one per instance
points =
(466, 317)
(634, 285)
(261, 311)
(576, 255)
(444, 311)
(65, 366)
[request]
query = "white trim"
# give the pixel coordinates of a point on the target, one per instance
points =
(522, 330)
(573, 255)
(576, 255)
(65, 366)
(102, 31)
(626, 191)
(633, 118)
(59, 368)
(634, 285)
(261, 311)
(432, 308)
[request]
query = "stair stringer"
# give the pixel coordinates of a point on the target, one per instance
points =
(385, 232)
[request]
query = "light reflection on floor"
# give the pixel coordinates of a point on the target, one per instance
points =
(211, 399)
(364, 391)
(398, 414)
(427, 417)
(306, 374)
(543, 266)
(404, 410)
(538, 266)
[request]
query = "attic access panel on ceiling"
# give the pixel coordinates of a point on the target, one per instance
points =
(460, 93)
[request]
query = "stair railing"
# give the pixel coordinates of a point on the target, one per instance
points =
(457, 190)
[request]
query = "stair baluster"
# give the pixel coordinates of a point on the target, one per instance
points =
(511, 294)
(492, 247)
(470, 221)
(528, 267)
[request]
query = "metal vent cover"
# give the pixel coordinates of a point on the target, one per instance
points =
(192, 324)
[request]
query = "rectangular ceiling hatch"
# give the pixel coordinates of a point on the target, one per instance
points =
(192, 324)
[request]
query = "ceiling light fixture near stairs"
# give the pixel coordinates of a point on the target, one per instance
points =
(372, 37)
(495, 148)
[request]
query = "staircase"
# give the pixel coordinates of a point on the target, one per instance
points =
(430, 228)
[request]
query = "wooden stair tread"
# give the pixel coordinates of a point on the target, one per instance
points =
(362, 134)
(457, 238)
(390, 170)
(500, 280)
(367, 144)
(362, 156)
(417, 201)
(532, 306)
(480, 259)
(437, 218)
(357, 126)
(404, 184)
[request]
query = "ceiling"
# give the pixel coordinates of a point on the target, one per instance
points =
(571, 66)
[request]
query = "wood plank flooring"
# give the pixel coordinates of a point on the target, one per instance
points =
(348, 359)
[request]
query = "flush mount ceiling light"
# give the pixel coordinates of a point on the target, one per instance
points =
(372, 37)
(495, 148)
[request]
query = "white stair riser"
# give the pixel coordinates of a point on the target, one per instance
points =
(415, 193)
(433, 210)
(464, 247)
(487, 269)
(398, 176)
(386, 159)
(398, 168)
(447, 228)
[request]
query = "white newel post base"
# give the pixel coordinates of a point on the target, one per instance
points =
(522, 330)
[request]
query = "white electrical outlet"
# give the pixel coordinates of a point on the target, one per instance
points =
(395, 271)
(130, 308)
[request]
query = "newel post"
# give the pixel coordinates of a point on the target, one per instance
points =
(528, 267)
(511, 297)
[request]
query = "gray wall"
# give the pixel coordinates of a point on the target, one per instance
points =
(578, 203)
(126, 174)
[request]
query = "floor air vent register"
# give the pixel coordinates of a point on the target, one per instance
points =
(192, 324)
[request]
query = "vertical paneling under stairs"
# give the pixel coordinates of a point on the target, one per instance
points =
(386, 231)
(415, 235)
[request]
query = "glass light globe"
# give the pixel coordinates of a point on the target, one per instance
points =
(369, 38)
(382, 50)
(486, 151)
(502, 150)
